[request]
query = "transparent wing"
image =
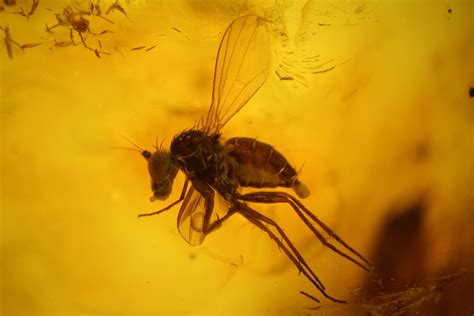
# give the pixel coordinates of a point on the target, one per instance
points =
(191, 218)
(242, 65)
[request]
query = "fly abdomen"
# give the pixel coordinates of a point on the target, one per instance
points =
(259, 165)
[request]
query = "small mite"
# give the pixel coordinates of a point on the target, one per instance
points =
(77, 22)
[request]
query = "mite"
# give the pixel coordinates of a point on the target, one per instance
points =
(75, 20)
(216, 167)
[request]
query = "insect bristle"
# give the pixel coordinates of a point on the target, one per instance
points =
(161, 144)
(160, 147)
(300, 169)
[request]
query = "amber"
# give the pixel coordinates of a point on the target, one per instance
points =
(368, 100)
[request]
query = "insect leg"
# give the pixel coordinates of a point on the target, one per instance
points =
(282, 197)
(181, 198)
(217, 223)
(208, 194)
(83, 41)
(258, 220)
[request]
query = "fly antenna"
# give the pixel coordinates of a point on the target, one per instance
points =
(126, 148)
(131, 142)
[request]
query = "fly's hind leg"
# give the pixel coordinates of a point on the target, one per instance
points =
(301, 210)
(288, 248)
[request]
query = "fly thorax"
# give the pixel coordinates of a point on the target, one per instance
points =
(187, 143)
(196, 152)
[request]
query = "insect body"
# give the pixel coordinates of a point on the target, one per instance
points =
(259, 165)
(215, 167)
(203, 159)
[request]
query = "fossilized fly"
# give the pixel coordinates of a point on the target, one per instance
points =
(215, 167)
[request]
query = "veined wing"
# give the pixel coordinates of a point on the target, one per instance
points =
(242, 65)
(241, 69)
(191, 218)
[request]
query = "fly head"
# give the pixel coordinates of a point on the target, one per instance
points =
(162, 171)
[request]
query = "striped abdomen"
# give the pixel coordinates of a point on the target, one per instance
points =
(259, 165)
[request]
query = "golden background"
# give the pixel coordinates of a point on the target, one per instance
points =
(386, 139)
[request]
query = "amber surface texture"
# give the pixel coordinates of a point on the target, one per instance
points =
(369, 101)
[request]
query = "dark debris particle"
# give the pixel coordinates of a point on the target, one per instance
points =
(471, 92)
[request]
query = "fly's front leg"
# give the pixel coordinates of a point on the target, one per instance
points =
(181, 198)
(207, 193)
